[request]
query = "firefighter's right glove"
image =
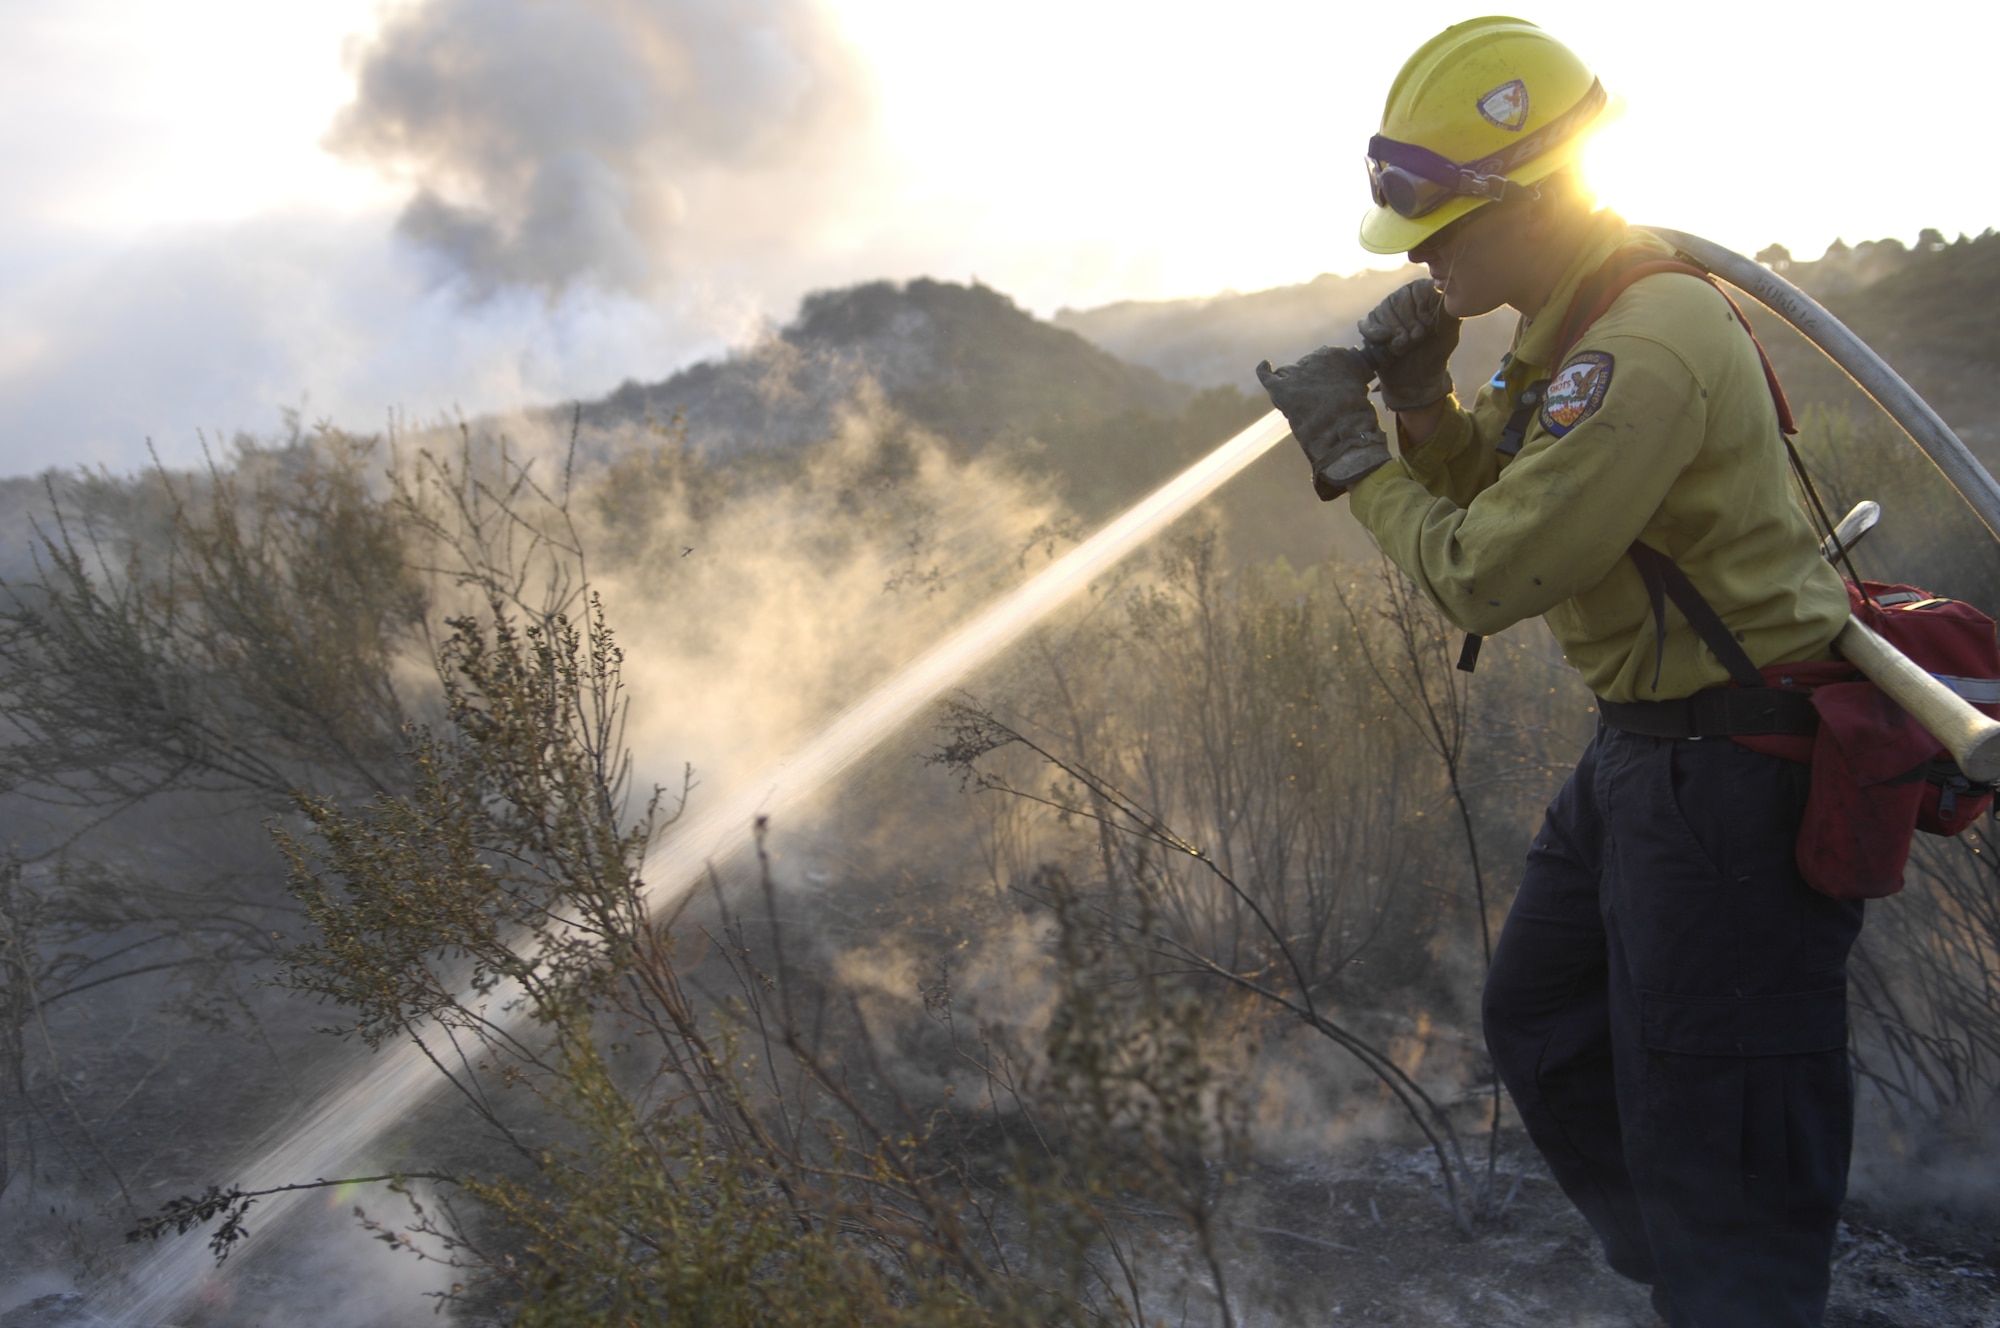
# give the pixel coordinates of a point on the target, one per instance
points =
(1411, 337)
(1324, 397)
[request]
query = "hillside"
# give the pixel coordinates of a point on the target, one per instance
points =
(1932, 312)
(967, 364)
(1219, 339)
(962, 361)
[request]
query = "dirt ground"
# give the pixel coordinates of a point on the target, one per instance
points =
(1371, 1242)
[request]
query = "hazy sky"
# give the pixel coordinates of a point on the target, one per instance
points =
(218, 208)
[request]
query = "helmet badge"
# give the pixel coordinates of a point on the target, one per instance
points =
(1506, 106)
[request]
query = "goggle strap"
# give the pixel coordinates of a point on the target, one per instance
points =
(1440, 169)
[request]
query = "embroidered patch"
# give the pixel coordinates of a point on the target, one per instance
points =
(1576, 392)
(1506, 106)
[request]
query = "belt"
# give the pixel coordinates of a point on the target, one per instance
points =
(1719, 712)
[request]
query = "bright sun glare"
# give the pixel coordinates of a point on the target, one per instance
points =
(1620, 179)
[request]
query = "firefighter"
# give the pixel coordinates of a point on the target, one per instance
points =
(1667, 1001)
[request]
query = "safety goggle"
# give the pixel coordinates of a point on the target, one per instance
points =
(1411, 193)
(1414, 181)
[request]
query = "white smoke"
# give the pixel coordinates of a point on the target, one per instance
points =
(555, 141)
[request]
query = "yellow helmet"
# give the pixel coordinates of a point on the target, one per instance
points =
(1483, 109)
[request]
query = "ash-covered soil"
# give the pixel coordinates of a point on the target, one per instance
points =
(1371, 1241)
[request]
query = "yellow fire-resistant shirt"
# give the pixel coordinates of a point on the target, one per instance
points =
(1658, 426)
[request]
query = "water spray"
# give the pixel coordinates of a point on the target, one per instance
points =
(326, 1140)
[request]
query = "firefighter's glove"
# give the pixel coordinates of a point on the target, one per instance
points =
(1411, 337)
(1324, 397)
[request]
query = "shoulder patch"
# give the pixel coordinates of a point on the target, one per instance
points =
(1576, 391)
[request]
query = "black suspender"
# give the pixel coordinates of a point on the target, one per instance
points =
(1664, 581)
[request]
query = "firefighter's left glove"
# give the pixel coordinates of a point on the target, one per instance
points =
(1411, 338)
(1324, 397)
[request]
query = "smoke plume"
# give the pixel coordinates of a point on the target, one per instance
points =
(551, 142)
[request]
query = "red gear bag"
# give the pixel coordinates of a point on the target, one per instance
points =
(1877, 776)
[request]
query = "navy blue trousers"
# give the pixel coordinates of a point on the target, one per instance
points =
(1668, 1009)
